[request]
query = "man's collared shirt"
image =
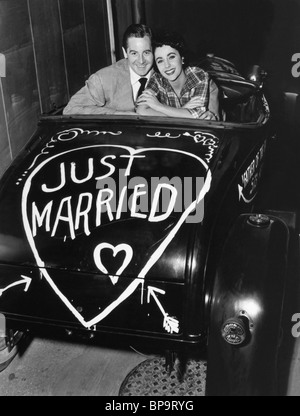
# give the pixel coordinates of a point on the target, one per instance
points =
(196, 85)
(135, 83)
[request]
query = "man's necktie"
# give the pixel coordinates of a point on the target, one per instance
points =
(142, 87)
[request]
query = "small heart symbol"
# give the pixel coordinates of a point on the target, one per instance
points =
(120, 247)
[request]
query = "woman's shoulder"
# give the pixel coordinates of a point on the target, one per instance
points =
(156, 76)
(197, 71)
(157, 79)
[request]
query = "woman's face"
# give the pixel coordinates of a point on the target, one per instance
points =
(169, 62)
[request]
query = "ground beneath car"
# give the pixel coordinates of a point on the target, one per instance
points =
(151, 378)
(56, 368)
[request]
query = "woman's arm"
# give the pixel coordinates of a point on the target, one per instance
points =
(195, 104)
(145, 110)
(148, 104)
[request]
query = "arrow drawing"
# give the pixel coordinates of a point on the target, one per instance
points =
(25, 281)
(248, 201)
(170, 324)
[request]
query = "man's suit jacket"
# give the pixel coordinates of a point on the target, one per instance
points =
(105, 92)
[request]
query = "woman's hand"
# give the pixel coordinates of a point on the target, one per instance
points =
(147, 98)
(208, 115)
(197, 102)
(194, 103)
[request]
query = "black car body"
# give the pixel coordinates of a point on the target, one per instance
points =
(142, 229)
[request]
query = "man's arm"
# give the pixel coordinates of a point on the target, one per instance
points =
(90, 99)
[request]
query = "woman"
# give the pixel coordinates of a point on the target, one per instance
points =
(176, 90)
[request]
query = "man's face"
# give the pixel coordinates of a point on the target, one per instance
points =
(139, 54)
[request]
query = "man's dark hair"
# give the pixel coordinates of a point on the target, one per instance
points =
(172, 39)
(136, 30)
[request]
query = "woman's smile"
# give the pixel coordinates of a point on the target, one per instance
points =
(170, 72)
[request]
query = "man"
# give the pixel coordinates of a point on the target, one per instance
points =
(114, 89)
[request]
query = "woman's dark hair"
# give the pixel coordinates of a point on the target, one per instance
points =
(136, 30)
(174, 40)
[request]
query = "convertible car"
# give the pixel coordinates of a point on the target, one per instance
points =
(147, 230)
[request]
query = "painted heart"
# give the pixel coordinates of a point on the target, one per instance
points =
(45, 193)
(115, 250)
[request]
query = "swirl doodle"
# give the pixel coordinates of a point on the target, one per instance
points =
(206, 139)
(75, 132)
(165, 136)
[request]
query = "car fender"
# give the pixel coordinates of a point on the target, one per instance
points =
(246, 308)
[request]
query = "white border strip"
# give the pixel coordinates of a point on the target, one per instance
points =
(35, 59)
(86, 37)
(111, 31)
(63, 48)
(6, 120)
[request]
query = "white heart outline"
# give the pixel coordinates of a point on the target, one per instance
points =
(115, 249)
(153, 259)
